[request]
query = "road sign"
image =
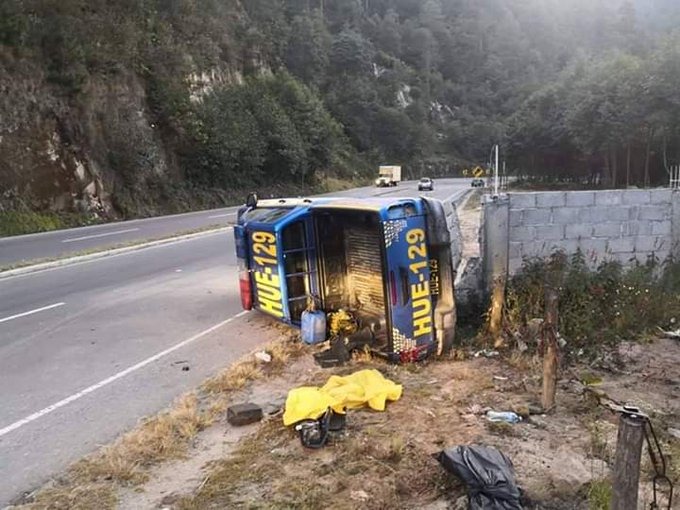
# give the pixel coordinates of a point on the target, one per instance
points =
(465, 172)
(478, 172)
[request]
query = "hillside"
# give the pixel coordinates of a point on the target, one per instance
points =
(135, 107)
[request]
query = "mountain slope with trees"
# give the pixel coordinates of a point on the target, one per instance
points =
(134, 107)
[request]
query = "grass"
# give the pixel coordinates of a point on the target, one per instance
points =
(13, 223)
(93, 482)
(598, 441)
(266, 468)
(332, 184)
(597, 307)
(600, 495)
(162, 437)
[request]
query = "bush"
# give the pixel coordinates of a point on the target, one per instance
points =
(596, 307)
(16, 223)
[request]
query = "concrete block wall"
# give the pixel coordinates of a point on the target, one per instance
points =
(622, 225)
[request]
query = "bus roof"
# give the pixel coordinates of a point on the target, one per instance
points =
(281, 211)
(369, 204)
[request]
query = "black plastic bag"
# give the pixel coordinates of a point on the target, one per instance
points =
(488, 474)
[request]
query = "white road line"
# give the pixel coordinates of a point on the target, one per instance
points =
(115, 377)
(94, 236)
(221, 215)
(31, 312)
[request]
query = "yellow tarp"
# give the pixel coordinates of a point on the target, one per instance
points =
(366, 387)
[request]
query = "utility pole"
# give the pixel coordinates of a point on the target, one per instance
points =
(495, 174)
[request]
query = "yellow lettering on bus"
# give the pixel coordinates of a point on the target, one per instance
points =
(263, 237)
(270, 293)
(422, 326)
(419, 290)
(268, 280)
(273, 307)
(421, 308)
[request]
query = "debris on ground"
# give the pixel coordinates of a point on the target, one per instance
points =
(315, 433)
(365, 387)
(244, 414)
(503, 416)
(263, 356)
(360, 496)
(342, 323)
(675, 335)
(488, 475)
(487, 353)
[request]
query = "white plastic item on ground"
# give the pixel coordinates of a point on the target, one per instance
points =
(263, 356)
(507, 417)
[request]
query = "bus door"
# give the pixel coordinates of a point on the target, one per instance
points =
(408, 270)
(299, 267)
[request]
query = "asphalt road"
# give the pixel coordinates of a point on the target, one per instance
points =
(61, 243)
(88, 349)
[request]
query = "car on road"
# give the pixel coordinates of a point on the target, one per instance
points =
(477, 183)
(425, 184)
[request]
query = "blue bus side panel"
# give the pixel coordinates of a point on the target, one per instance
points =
(409, 285)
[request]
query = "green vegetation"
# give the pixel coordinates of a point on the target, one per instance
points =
(597, 307)
(183, 100)
(269, 128)
(17, 223)
(600, 495)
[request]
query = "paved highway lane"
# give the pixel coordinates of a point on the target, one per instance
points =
(60, 243)
(88, 349)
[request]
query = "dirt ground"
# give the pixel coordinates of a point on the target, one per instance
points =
(384, 460)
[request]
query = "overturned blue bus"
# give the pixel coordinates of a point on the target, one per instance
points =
(388, 261)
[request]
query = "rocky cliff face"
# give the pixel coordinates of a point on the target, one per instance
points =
(90, 100)
(61, 153)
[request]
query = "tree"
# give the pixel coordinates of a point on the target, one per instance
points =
(351, 53)
(308, 48)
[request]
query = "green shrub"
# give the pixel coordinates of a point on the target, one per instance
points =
(14, 223)
(599, 495)
(597, 307)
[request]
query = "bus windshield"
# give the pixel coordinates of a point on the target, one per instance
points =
(268, 215)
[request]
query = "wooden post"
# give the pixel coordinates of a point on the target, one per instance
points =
(627, 462)
(496, 312)
(550, 360)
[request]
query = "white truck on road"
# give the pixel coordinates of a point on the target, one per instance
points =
(388, 176)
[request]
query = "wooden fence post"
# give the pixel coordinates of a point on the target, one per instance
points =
(496, 313)
(550, 360)
(626, 475)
